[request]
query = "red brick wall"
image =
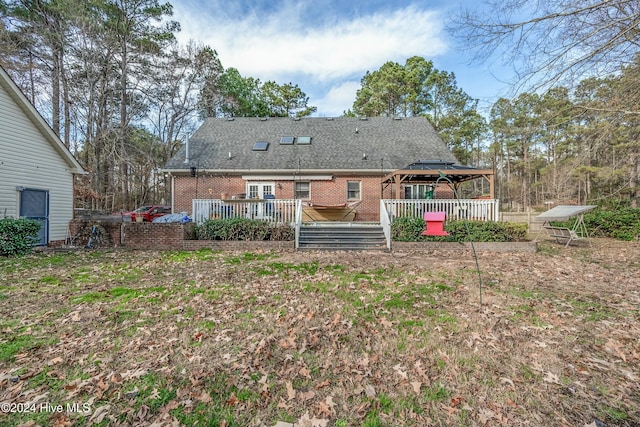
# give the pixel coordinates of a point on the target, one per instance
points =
(331, 192)
(240, 245)
(149, 235)
(80, 230)
(159, 236)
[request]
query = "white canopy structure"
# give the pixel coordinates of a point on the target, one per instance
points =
(565, 213)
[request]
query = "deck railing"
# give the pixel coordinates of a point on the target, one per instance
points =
(385, 223)
(474, 209)
(289, 211)
(277, 211)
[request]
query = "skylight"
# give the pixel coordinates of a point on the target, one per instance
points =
(261, 146)
(304, 140)
(287, 140)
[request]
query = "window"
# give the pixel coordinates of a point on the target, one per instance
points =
(418, 191)
(304, 140)
(353, 190)
(261, 146)
(302, 190)
(287, 140)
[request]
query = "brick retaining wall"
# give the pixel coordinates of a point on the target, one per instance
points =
(149, 235)
(240, 245)
(163, 236)
(454, 246)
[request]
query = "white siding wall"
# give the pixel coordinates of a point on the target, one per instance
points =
(28, 159)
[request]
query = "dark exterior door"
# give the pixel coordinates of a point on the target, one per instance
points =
(34, 204)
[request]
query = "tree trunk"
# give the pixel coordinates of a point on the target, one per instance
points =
(55, 92)
(124, 173)
(635, 181)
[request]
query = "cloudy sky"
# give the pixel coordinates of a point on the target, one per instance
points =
(326, 46)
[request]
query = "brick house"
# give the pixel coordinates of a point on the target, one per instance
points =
(322, 161)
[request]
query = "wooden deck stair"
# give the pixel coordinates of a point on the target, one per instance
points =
(350, 236)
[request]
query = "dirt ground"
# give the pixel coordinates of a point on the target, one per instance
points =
(324, 338)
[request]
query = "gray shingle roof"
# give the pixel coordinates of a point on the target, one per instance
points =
(337, 144)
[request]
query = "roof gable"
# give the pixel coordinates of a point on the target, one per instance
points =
(336, 144)
(7, 84)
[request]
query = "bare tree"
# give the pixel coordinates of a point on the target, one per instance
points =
(552, 41)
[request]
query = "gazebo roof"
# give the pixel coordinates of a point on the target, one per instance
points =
(432, 171)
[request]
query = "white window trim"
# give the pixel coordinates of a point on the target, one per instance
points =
(359, 190)
(295, 191)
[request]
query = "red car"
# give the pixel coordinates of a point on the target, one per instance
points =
(149, 213)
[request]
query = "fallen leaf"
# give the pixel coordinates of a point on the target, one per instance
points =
(416, 386)
(504, 380)
(329, 401)
(616, 348)
(324, 410)
(306, 395)
(55, 361)
(155, 394)
(323, 384)
(203, 397)
(370, 391)
(456, 401)
(62, 420)
(485, 415)
(288, 342)
(450, 409)
(99, 414)
(400, 371)
(551, 378)
(291, 393)
(233, 400)
(305, 372)
(305, 421)
(283, 405)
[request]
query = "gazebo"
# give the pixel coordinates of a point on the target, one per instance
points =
(437, 171)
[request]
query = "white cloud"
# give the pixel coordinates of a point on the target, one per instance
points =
(337, 99)
(324, 50)
(280, 45)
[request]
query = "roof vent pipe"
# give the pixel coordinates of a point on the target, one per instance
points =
(186, 154)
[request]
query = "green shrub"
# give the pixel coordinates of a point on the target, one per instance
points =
(410, 229)
(242, 229)
(620, 222)
(17, 236)
(614, 220)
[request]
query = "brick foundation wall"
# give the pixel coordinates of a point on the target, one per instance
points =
(80, 229)
(159, 236)
(329, 192)
(465, 247)
(148, 235)
(239, 245)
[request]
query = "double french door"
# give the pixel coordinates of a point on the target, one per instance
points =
(260, 190)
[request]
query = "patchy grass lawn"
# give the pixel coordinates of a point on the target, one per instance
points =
(322, 339)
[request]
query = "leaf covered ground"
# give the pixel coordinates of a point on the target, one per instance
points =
(322, 338)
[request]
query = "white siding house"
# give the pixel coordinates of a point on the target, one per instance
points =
(36, 169)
